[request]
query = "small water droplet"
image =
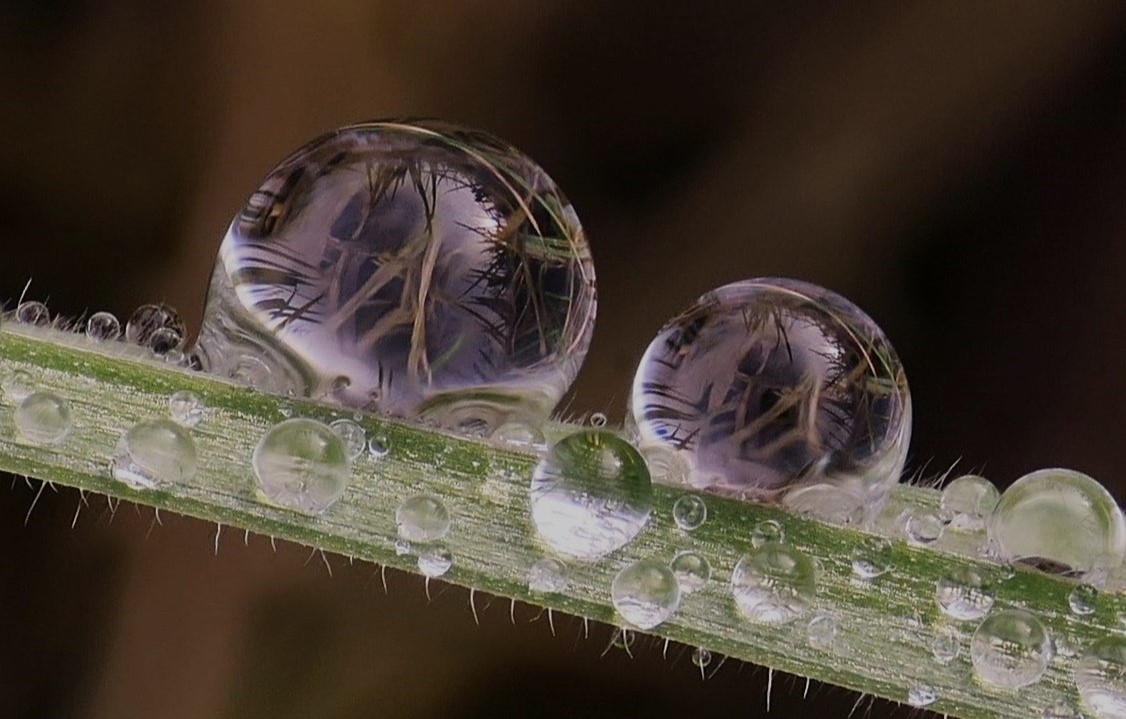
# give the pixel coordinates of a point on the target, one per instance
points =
(17, 385)
(403, 547)
(822, 632)
(187, 408)
(623, 639)
(701, 657)
(518, 434)
(689, 512)
(645, 593)
(1100, 677)
(969, 500)
(103, 326)
(965, 593)
(147, 320)
(924, 527)
(872, 558)
(302, 464)
(33, 313)
(1083, 600)
(767, 532)
(153, 453)
(43, 418)
(378, 447)
(422, 518)
(921, 695)
(598, 420)
(1010, 649)
(590, 494)
(1062, 708)
(434, 562)
(353, 435)
(548, 575)
(945, 645)
(666, 466)
(692, 571)
(773, 584)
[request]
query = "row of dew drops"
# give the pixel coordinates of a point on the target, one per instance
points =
(591, 494)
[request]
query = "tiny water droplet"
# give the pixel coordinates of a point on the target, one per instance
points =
(969, 500)
(598, 420)
(623, 639)
(945, 645)
(17, 385)
(422, 518)
(378, 447)
(872, 558)
(353, 435)
(33, 313)
(921, 695)
(692, 571)
(187, 408)
(434, 562)
(590, 494)
(767, 532)
(403, 547)
(965, 593)
(689, 512)
(645, 593)
(44, 418)
(924, 527)
(518, 434)
(1083, 600)
(103, 326)
(548, 576)
(153, 453)
(302, 464)
(1100, 677)
(1010, 649)
(773, 584)
(822, 632)
(147, 320)
(701, 657)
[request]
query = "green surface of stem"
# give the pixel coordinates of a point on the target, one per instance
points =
(885, 625)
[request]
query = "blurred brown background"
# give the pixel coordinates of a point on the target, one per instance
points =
(958, 169)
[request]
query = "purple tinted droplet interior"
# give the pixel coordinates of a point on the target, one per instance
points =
(778, 391)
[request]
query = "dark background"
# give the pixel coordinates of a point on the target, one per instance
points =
(958, 169)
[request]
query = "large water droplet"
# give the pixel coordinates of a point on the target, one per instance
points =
(437, 268)
(153, 453)
(590, 494)
(303, 465)
(43, 418)
(103, 326)
(422, 519)
(148, 320)
(1010, 649)
(1059, 521)
(18, 385)
(968, 501)
(872, 558)
(548, 575)
(689, 512)
(965, 593)
(1100, 677)
(773, 584)
(645, 593)
(692, 571)
(187, 408)
(779, 390)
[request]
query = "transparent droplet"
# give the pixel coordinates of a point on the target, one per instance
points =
(968, 501)
(1059, 521)
(822, 632)
(1083, 600)
(303, 465)
(666, 466)
(378, 447)
(692, 571)
(518, 434)
(153, 453)
(701, 657)
(689, 512)
(1062, 708)
(422, 518)
(773, 584)
(1100, 677)
(872, 558)
(33, 313)
(434, 562)
(548, 575)
(590, 495)
(965, 593)
(924, 527)
(353, 435)
(1010, 649)
(147, 320)
(103, 326)
(166, 340)
(18, 385)
(623, 639)
(779, 390)
(599, 420)
(645, 593)
(945, 645)
(43, 418)
(921, 695)
(187, 408)
(254, 372)
(403, 547)
(767, 531)
(437, 267)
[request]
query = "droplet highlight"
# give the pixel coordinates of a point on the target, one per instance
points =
(301, 464)
(645, 593)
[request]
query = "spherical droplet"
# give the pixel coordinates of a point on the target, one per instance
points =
(822, 632)
(872, 558)
(147, 320)
(968, 501)
(422, 518)
(773, 584)
(590, 494)
(548, 576)
(598, 419)
(645, 593)
(165, 340)
(965, 593)
(692, 571)
(43, 418)
(767, 531)
(924, 527)
(779, 390)
(434, 562)
(103, 326)
(378, 447)
(153, 453)
(187, 408)
(353, 435)
(1083, 600)
(436, 267)
(18, 385)
(701, 657)
(1059, 521)
(33, 313)
(689, 512)
(666, 466)
(945, 645)
(1100, 677)
(921, 695)
(303, 465)
(1010, 649)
